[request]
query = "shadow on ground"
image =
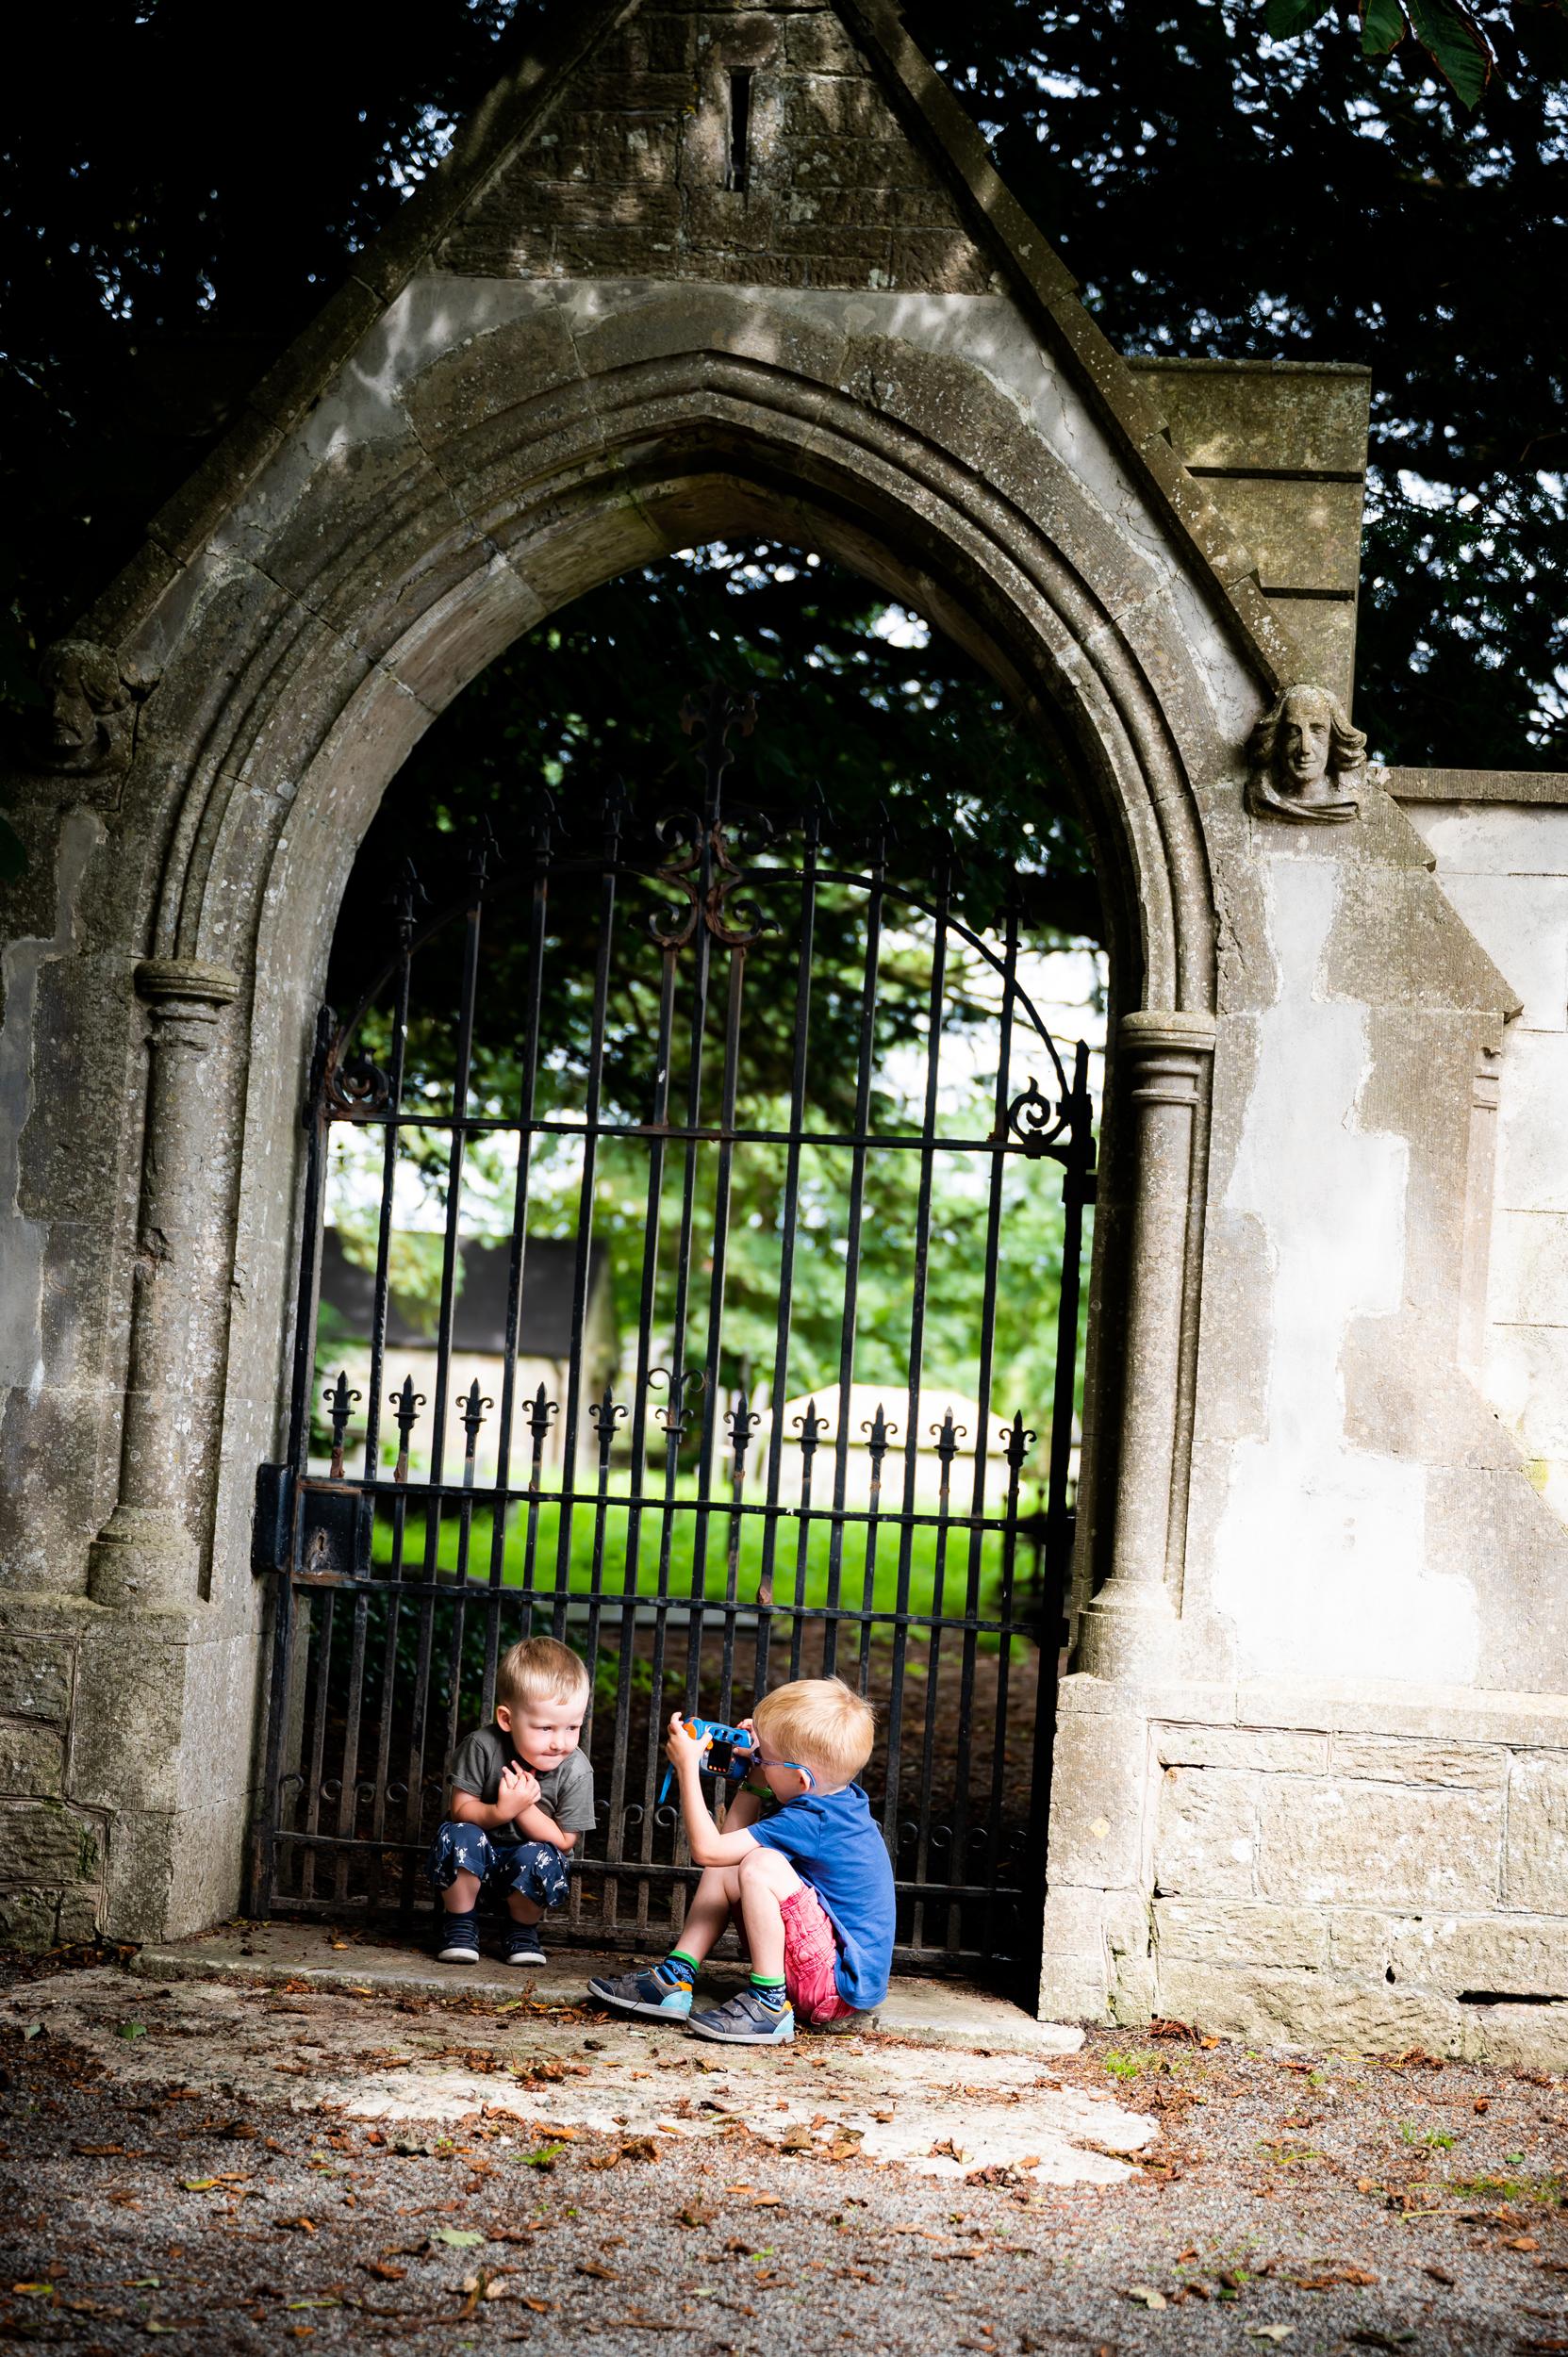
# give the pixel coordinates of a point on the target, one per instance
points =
(253, 2164)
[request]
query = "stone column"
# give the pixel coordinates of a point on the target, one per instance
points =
(146, 1555)
(1164, 1064)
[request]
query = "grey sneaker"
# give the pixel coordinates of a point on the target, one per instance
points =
(643, 1992)
(745, 2020)
(842, 2025)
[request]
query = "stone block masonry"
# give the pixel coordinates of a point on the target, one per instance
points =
(1355, 1889)
(52, 1854)
(729, 146)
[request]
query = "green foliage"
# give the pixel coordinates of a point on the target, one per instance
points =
(1449, 33)
(860, 704)
(1221, 194)
(1226, 180)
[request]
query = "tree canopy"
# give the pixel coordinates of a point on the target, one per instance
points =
(172, 222)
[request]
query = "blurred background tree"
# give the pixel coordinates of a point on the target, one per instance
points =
(179, 194)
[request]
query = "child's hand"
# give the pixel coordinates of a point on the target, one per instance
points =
(519, 1789)
(682, 1745)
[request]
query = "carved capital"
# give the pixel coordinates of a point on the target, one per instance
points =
(1168, 1052)
(186, 989)
(1305, 763)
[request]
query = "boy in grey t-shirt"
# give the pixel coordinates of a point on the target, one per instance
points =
(521, 1793)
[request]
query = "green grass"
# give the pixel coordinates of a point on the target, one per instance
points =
(531, 1544)
(1549, 2189)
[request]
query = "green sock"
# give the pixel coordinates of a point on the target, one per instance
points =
(679, 1968)
(771, 1992)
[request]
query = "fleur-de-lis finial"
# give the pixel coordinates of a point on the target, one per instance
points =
(878, 1434)
(672, 1415)
(406, 1403)
(340, 1404)
(947, 1435)
(606, 1414)
(541, 1410)
(742, 1421)
(810, 1427)
(1017, 1440)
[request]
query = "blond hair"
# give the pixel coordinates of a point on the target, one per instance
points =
(819, 1723)
(539, 1670)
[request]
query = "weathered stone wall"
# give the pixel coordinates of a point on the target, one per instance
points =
(1299, 1516)
(1500, 843)
(1336, 1883)
(638, 173)
(52, 1851)
(1281, 448)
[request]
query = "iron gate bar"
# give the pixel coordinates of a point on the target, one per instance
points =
(442, 1572)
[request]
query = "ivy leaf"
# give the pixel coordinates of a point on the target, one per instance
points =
(1284, 19)
(1382, 27)
(131, 2029)
(1456, 44)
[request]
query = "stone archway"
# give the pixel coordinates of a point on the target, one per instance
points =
(479, 430)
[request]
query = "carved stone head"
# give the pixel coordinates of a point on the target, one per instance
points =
(88, 724)
(1306, 761)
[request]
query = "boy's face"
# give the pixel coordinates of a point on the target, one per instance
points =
(543, 1730)
(784, 1778)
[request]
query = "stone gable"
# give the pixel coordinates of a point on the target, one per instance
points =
(752, 146)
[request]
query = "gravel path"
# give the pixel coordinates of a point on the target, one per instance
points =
(186, 2165)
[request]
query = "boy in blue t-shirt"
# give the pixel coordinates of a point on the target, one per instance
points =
(810, 1882)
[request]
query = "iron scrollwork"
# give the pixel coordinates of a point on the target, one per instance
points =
(701, 867)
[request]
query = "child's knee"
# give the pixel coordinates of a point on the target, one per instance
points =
(459, 1849)
(539, 1872)
(766, 1870)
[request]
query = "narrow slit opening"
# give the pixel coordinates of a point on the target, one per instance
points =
(1507, 1997)
(740, 127)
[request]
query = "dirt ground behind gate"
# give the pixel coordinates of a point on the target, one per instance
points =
(231, 2165)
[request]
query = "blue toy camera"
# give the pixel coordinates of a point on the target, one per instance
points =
(727, 1752)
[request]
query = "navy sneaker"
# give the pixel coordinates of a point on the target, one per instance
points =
(746, 2021)
(520, 1944)
(643, 1992)
(459, 1942)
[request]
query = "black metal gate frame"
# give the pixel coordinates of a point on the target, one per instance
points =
(315, 1532)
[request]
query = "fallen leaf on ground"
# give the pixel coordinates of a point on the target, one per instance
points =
(591, 2267)
(1145, 2293)
(1269, 2332)
(456, 2237)
(382, 2271)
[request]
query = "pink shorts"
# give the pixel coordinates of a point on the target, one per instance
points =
(811, 1952)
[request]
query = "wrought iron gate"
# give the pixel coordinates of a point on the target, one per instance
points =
(692, 1545)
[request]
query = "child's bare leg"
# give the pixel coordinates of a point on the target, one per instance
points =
(461, 1895)
(767, 1880)
(522, 1910)
(716, 1897)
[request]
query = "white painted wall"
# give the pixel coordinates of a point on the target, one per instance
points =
(1505, 868)
(1320, 1557)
